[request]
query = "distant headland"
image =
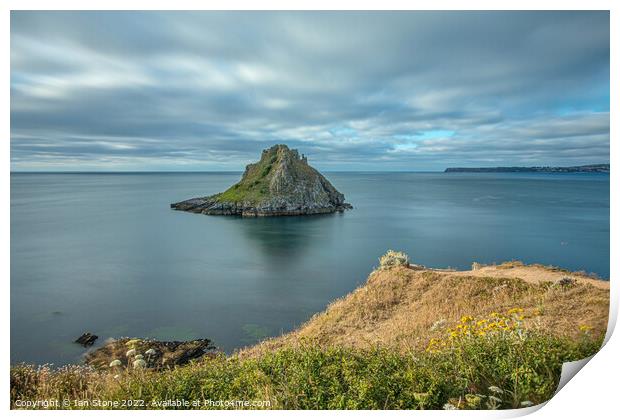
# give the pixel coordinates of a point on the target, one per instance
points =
(280, 184)
(598, 168)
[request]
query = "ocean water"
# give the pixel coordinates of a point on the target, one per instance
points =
(105, 253)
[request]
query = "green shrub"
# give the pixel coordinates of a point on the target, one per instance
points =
(497, 353)
(265, 171)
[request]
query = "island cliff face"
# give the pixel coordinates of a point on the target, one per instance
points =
(280, 184)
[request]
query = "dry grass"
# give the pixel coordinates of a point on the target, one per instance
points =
(397, 307)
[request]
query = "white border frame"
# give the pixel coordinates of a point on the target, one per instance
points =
(591, 394)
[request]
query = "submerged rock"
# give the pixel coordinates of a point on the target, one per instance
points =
(280, 184)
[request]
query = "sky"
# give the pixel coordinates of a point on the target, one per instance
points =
(384, 91)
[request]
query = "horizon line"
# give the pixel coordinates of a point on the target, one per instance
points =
(199, 172)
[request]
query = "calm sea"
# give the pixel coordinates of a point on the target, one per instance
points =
(104, 253)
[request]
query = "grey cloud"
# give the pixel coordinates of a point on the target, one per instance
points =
(353, 90)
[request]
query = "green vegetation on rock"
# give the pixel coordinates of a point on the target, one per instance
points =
(254, 186)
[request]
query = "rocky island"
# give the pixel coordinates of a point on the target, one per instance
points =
(280, 184)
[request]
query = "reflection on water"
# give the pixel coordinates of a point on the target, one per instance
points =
(283, 240)
(105, 253)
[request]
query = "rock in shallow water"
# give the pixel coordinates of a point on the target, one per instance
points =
(280, 184)
(161, 354)
(87, 339)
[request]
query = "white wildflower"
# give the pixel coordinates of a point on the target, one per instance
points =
(139, 364)
(394, 259)
(438, 325)
(496, 389)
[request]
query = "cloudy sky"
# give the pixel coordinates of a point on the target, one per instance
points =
(354, 91)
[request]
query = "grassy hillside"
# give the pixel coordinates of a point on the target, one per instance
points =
(410, 337)
(398, 307)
